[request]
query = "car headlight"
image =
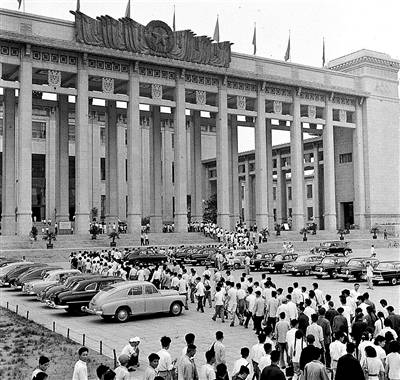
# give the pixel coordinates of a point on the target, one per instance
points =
(347, 272)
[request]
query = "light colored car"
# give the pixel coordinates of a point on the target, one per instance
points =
(52, 277)
(129, 298)
(236, 259)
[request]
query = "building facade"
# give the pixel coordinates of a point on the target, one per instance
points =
(352, 105)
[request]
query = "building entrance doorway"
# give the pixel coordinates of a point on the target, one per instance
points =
(348, 214)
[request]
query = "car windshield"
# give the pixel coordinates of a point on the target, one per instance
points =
(75, 286)
(326, 244)
(107, 288)
(302, 259)
(385, 266)
(355, 263)
(328, 261)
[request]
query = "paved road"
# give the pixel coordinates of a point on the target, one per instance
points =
(150, 329)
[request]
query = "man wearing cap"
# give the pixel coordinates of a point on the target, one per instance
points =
(121, 372)
(132, 351)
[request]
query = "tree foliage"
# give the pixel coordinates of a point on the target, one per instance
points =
(210, 209)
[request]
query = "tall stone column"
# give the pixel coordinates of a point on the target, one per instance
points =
(95, 191)
(122, 189)
(261, 164)
(315, 193)
(155, 171)
(111, 163)
(51, 166)
(358, 166)
(134, 217)
(82, 158)
(235, 212)
(223, 217)
(62, 161)
(196, 190)
(248, 196)
(271, 222)
(297, 167)
(24, 176)
(180, 158)
(8, 170)
(329, 170)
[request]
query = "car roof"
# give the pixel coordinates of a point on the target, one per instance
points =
(60, 271)
(390, 262)
(127, 284)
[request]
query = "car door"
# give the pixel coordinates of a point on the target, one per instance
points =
(136, 299)
(153, 300)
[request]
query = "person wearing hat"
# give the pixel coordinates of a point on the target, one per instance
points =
(121, 372)
(132, 351)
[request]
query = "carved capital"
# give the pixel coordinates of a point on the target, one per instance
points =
(201, 97)
(54, 78)
(107, 85)
(277, 107)
(241, 103)
(156, 91)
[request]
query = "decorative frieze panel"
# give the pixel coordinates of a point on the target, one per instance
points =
(201, 97)
(241, 103)
(9, 50)
(107, 65)
(54, 57)
(312, 111)
(308, 95)
(280, 91)
(54, 78)
(240, 85)
(342, 116)
(156, 91)
(107, 85)
(156, 73)
(201, 79)
(277, 107)
(343, 99)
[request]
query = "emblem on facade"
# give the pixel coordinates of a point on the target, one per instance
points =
(156, 38)
(156, 91)
(54, 78)
(277, 107)
(342, 116)
(201, 97)
(107, 85)
(241, 103)
(312, 111)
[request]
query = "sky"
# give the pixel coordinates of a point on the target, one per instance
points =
(347, 26)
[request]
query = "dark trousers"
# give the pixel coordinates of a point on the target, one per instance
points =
(326, 356)
(219, 312)
(248, 317)
(257, 323)
(272, 322)
(200, 303)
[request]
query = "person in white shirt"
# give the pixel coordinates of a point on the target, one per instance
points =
(319, 296)
(392, 367)
(337, 349)
(121, 372)
(290, 335)
(183, 290)
(379, 343)
(44, 363)
(257, 352)
(354, 292)
(265, 360)
(297, 297)
(165, 363)
(291, 308)
(250, 304)
(132, 351)
(200, 293)
(232, 302)
(283, 308)
(219, 304)
(207, 370)
(309, 311)
(243, 361)
(388, 328)
(151, 371)
(370, 274)
(80, 369)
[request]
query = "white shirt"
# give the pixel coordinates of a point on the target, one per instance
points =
(121, 373)
(264, 362)
(283, 309)
(337, 349)
(290, 337)
(165, 362)
(257, 352)
(219, 298)
(292, 310)
(297, 297)
(238, 364)
(251, 299)
(319, 296)
(309, 311)
(182, 286)
(80, 371)
(380, 353)
(208, 372)
(386, 329)
(393, 365)
(200, 289)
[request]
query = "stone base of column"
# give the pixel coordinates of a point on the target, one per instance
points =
(298, 222)
(134, 223)
(62, 218)
(8, 225)
(223, 220)
(156, 223)
(196, 218)
(262, 221)
(180, 222)
(234, 219)
(359, 220)
(24, 224)
(111, 219)
(81, 224)
(271, 223)
(330, 222)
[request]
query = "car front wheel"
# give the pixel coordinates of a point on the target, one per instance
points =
(346, 252)
(307, 272)
(122, 314)
(175, 309)
(393, 281)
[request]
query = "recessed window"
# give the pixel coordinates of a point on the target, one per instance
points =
(345, 158)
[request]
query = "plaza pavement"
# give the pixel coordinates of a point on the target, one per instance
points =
(151, 328)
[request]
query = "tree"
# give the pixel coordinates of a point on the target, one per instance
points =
(210, 209)
(304, 232)
(113, 235)
(94, 211)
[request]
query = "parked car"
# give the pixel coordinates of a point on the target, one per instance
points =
(387, 271)
(145, 256)
(260, 260)
(237, 258)
(12, 276)
(185, 252)
(335, 247)
(203, 257)
(329, 266)
(9, 268)
(52, 277)
(34, 274)
(129, 298)
(73, 299)
(303, 265)
(355, 268)
(279, 260)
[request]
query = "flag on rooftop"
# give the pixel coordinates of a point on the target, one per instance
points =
(216, 31)
(173, 21)
(128, 9)
(19, 3)
(323, 52)
(78, 5)
(287, 54)
(254, 40)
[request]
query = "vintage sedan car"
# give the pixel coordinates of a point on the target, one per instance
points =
(14, 274)
(52, 277)
(329, 266)
(237, 258)
(260, 260)
(335, 247)
(303, 265)
(9, 268)
(355, 268)
(279, 260)
(80, 294)
(387, 271)
(203, 257)
(33, 274)
(145, 256)
(184, 253)
(130, 298)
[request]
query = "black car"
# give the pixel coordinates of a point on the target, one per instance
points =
(36, 273)
(203, 257)
(335, 247)
(279, 260)
(387, 271)
(355, 268)
(260, 260)
(185, 253)
(329, 266)
(73, 299)
(303, 265)
(13, 276)
(145, 256)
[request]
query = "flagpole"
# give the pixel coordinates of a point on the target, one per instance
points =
(290, 55)
(23, 6)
